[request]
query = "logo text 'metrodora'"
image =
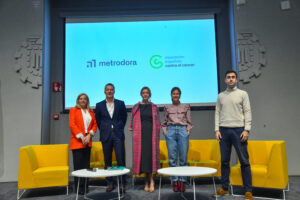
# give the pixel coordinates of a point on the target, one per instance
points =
(117, 63)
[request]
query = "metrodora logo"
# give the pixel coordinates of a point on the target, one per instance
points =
(155, 61)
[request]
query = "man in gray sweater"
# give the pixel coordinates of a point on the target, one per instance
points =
(232, 127)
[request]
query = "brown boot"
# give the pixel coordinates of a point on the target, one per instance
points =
(248, 195)
(110, 188)
(182, 186)
(221, 192)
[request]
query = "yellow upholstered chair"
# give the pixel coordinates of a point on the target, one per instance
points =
(205, 153)
(43, 166)
(97, 157)
(164, 158)
(268, 162)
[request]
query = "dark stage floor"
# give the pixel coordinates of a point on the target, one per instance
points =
(204, 191)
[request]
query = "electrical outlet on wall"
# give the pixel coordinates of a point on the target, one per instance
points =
(285, 5)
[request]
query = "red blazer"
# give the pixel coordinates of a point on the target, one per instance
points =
(77, 126)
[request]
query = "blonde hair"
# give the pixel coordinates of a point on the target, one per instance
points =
(87, 103)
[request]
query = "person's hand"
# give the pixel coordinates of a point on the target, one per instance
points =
(189, 132)
(164, 132)
(244, 136)
(218, 135)
(86, 139)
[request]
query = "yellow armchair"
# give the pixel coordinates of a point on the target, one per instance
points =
(164, 158)
(268, 162)
(205, 153)
(43, 166)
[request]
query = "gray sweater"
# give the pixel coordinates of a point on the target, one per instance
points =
(233, 109)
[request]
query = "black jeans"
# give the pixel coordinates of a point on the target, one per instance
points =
(231, 136)
(81, 160)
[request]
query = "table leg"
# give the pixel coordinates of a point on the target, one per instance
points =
(159, 188)
(182, 195)
(85, 187)
(215, 186)
(118, 187)
(194, 188)
(77, 188)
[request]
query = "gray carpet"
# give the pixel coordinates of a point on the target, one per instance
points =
(204, 191)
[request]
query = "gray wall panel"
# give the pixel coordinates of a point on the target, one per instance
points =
(275, 95)
(20, 104)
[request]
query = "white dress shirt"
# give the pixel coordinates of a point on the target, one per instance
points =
(86, 119)
(110, 109)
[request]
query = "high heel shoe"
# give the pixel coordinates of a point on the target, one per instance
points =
(151, 189)
(146, 187)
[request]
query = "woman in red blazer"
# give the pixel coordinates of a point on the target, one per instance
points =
(83, 126)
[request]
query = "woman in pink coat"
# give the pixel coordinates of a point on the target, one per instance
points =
(145, 124)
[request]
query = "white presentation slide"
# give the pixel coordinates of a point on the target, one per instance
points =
(160, 54)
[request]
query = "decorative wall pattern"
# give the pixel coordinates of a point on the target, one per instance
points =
(28, 61)
(251, 56)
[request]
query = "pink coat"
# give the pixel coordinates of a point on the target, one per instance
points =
(136, 127)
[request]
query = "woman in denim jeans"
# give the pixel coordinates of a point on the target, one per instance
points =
(177, 128)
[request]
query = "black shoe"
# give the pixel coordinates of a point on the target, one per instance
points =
(122, 190)
(110, 188)
(81, 192)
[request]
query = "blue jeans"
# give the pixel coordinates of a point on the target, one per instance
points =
(177, 140)
(231, 136)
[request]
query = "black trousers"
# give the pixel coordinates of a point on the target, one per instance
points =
(118, 145)
(81, 160)
(231, 136)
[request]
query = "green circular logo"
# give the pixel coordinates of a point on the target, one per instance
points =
(155, 62)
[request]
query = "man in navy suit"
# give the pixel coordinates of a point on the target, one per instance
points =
(111, 116)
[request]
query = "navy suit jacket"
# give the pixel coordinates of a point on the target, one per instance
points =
(105, 122)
